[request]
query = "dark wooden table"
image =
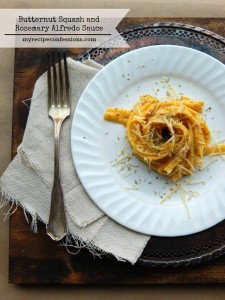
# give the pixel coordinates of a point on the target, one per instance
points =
(34, 258)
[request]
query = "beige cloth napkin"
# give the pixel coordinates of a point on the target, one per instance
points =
(28, 180)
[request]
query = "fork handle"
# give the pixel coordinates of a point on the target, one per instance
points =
(57, 227)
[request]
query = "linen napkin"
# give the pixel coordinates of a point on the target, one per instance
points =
(28, 180)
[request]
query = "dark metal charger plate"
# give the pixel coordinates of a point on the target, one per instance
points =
(208, 244)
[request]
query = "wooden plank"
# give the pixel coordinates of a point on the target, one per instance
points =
(34, 258)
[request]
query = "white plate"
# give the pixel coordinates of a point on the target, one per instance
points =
(96, 143)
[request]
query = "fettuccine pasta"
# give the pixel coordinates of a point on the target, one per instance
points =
(170, 136)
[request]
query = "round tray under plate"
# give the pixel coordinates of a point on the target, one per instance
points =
(208, 244)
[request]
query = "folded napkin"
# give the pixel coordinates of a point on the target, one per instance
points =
(28, 180)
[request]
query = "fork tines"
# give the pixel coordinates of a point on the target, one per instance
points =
(58, 79)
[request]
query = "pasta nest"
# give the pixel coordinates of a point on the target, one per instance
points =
(170, 136)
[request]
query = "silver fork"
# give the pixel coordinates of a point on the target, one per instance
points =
(59, 110)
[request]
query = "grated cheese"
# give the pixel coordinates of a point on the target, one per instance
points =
(131, 188)
(214, 159)
(190, 164)
(129, 156)
(185, 202)
(196, 123)
(121, 152)
(121, 168)
(221, 140)
(189, 182)
(185, 169)
(169, 140)
(169, 194)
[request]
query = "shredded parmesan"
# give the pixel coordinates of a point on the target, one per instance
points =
(189, 182)
(121, 169)
(129, 156)
(185, 202)
(132, 188)
(190, 164)
(185, 169)
(214, 159)
(170, 193)
(121, 151)
(196, 123)
(169, 140)
(221, 140)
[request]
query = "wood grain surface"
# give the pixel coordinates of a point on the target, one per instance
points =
(34, 258)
